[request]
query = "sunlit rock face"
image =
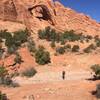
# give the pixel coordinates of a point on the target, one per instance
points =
(38, 14)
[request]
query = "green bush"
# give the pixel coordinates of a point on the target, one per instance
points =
(5, 79)
(75, 48)
(71, 36)
(96, 69)
(29, 72)
(20, 37)
(48, 34)
(12, 49)
(13, 40)
(3, 96)
(60, 50)
(42, 57)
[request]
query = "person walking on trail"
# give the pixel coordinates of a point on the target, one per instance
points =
(63, 75)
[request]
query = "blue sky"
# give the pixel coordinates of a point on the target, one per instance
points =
(89, 7)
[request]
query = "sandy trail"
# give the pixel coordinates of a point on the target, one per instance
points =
(50, 76)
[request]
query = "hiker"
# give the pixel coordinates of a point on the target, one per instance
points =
(63, 75)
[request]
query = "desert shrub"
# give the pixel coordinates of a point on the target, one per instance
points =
(87, 50)
(3, 73)
(9, 41)
(42, 57)
(18, 59)
(90, 48)
(89, 37)
(3, 96)
(63, 41)
(5, 79)
(98, 91)
(15, 74)
(29, 72)
(96, 69)
(75, 48)
(20, 37)
(1, 52)
(42, 34)
(12, 49)
(5, 34)
(53, 45)
(13, 40)
(60, 50)
(67, 47)
(96, 38)
(31, 45)
(97, 41)
(48, 34)
(71, 36)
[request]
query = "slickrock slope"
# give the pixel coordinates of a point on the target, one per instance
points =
(37, 14)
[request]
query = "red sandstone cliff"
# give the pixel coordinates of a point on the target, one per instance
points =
(37, 14)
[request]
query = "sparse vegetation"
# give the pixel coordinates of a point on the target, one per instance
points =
(75, 48)
(48, 34)
(3, 73)
(5, 79)
(90, 48)
(67, 47)
(31, 45)
(96, 70)
(29, 72)
(60, 50)
(42, 57)
(98, 91)
(3, 96)
(53, 45)
(18, 59)
(13, 40)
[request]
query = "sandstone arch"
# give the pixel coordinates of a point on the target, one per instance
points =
(44, 11)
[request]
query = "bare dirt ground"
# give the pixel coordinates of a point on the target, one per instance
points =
(48, 84)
